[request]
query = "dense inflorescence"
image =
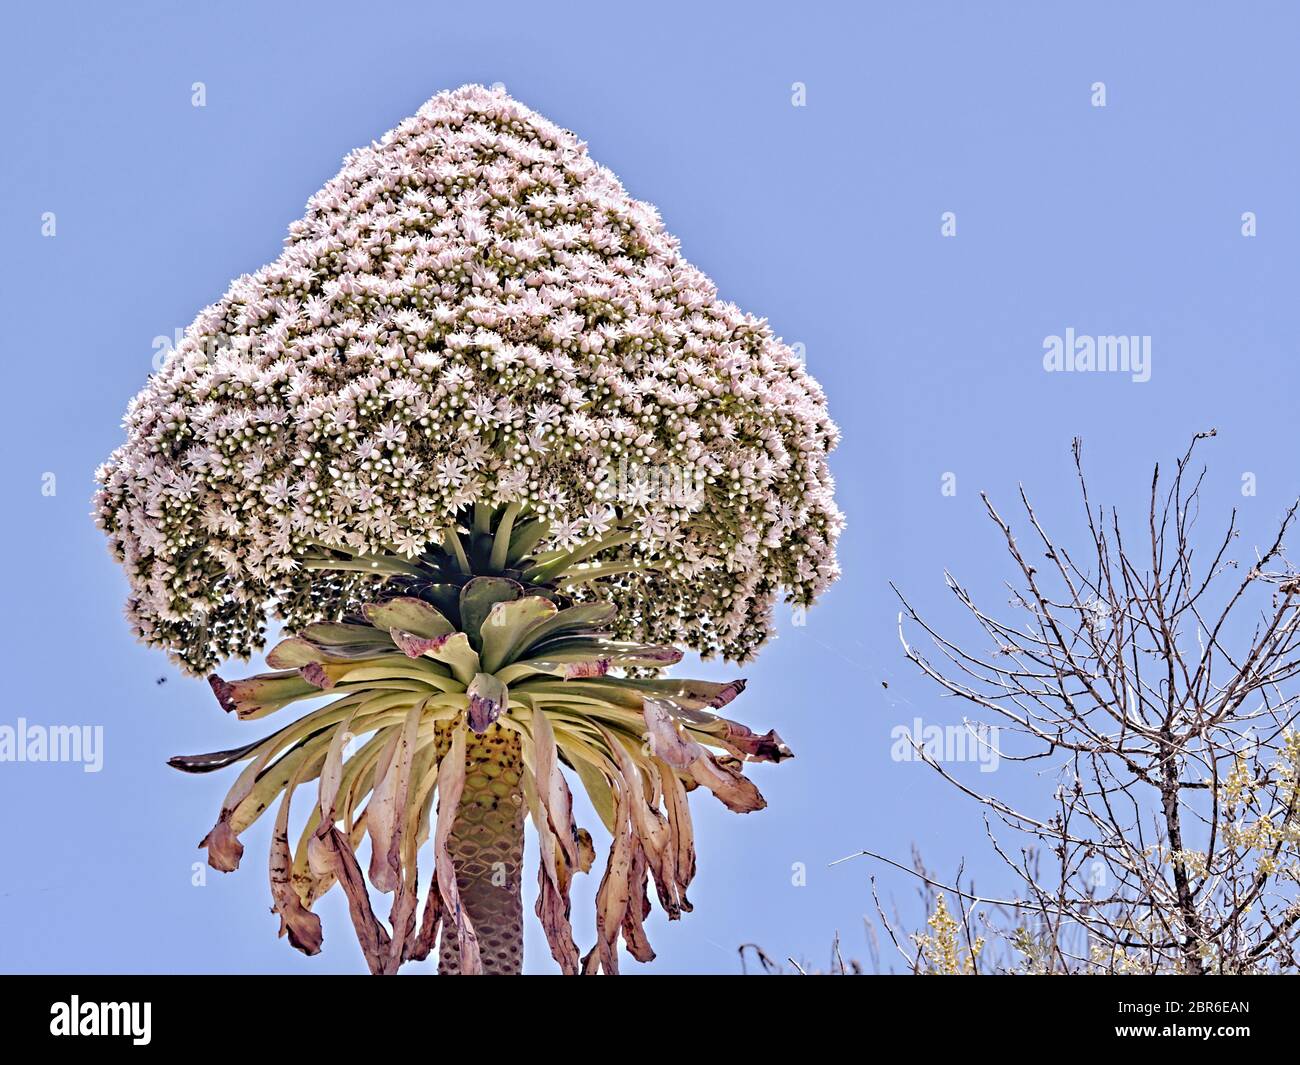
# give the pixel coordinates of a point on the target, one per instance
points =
(472, 310)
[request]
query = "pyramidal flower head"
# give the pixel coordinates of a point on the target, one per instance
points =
(472, 311)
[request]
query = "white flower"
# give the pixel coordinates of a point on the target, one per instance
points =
(568, 534)
(472, 310)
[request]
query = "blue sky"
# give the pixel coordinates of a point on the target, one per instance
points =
(1124, 219)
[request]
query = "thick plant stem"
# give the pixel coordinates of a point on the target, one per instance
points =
(487, 845)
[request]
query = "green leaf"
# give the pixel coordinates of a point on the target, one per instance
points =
(685, 694)
(456, 652)
(501, 539)
(581, 669)
(273, 779)
(599, 791)
(616, 652)
(410, 615)
(445, 596)
(347, 640)
(507, 627)
(585, 619)
(525, 536)
(263, 694)
(478, 597)
(294, 653)
(596, 689)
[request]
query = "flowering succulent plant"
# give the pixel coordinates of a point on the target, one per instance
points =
(478, 437)
(472, 311)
